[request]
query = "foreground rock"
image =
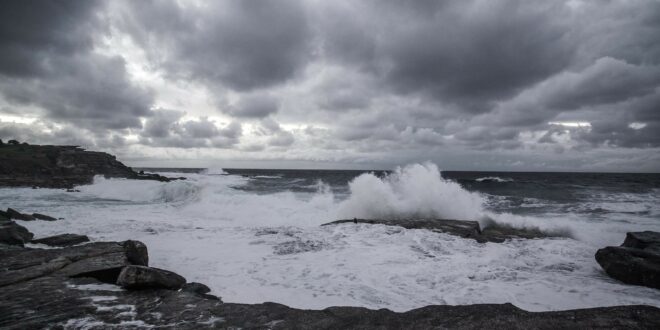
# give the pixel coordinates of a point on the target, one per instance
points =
(636, 261)
(62, 240)
(140, 277)
(60, 166)
(12, 233)
(495, 233)
(73, 287)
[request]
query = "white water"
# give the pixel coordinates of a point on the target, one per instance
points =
(253, 248)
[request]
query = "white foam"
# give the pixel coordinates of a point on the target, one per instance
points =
(251, 248)
(493, 179)
(416, 190)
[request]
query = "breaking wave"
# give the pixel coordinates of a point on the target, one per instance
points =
(493, 179)
(416, 190)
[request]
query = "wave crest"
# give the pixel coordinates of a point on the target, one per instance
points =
(416, 190)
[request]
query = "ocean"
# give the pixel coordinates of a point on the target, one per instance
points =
(254, 235)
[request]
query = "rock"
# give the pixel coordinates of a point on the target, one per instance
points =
(495, 233)
(36, 293)
(13, 214)
(40, 216)
(141, 277)
(62, 240)
(60, 166)
(636, 262)
(196, 288)
(645, 240)
(12, 233)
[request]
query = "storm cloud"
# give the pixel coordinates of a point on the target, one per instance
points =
(513, 85)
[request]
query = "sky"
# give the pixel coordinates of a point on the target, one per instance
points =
(530, 85)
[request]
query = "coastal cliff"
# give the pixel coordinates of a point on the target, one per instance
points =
(47, 166)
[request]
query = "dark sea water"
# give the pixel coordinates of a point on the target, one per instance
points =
(255, 235)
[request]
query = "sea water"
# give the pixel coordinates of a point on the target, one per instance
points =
(254, 235)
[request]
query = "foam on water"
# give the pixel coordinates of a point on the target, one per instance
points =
(251, 248)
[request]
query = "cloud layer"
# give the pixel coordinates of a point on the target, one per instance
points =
(508, 85)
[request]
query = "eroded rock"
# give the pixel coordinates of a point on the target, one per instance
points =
(13, 214)
(636, 261)
(141, 277)
(44, 217)
(12, 233)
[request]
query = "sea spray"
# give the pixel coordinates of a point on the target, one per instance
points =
(416, 190)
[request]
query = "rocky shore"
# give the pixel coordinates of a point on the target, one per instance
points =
(65, 281)
(24, 165)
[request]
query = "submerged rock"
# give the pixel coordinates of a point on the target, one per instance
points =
(44, 217)
(141, 277)
(495, 233)
(62, 240)
(636, 261)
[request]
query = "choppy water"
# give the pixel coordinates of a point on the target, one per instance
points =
(254, 235)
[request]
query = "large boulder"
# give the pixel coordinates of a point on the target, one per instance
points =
(141, 277)
(12, 233)
(636, 262)
(62, 240)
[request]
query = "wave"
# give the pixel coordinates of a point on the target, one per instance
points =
(214, 171)
(493, 179)
(142, 190)
(416, 190)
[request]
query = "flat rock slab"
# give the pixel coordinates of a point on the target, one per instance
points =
(13, 214)
(636, 261)
(462, 228)
(62, 240)
(44, 217)
(141, 277)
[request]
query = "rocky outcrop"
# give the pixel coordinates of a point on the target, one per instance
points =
(62, 240)
(13, 214)
(12, 233)
(140, 277)
(74, 287)
(636, 261)
(60, 166)
(495, 233)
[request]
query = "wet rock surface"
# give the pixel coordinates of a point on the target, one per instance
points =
(463, 228)
(636, 261)
(12, 233)
(60, 166)
(62, 240)
(141, 277)
(74, 287)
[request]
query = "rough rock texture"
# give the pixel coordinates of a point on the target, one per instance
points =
(462, 228)
(141, 277)
(636, 261)
(68, 288)
(60, 166)
(12, 233)
(62, 240)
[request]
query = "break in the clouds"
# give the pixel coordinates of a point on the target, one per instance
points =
(502, 85)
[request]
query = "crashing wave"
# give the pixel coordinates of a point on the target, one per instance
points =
(493, 179)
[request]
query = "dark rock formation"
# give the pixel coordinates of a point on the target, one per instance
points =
(62, 240)
(44, 217)
(12, 233)
(64, 288)
(60, 166)
(13, 214)
(636, 261)
(141, 277)
(463, 228)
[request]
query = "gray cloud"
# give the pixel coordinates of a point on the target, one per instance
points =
(47, 60)
(382, 81)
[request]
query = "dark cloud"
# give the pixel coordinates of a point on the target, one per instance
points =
(254, 106)
(47, 60)
(239, 44)
(383, 81)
